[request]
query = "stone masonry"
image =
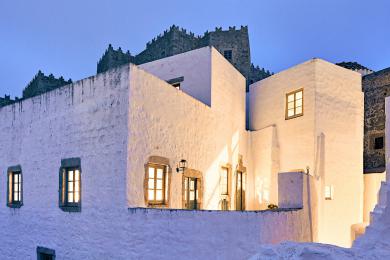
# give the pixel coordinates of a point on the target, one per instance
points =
(232, 43)
(376, 87)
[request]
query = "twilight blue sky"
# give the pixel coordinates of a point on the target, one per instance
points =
(68, 37)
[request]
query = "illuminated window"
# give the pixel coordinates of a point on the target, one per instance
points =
(294, 104)
(70, 185)
(45, 253)
(328, 192)
(15, 192)
(156, 184)
(224, 187)
(228, 54)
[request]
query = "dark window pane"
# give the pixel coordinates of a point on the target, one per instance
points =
(378, 143)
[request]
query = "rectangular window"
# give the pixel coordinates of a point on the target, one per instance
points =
(224, 181)
(45, 253)
(157, 192)
(378, 143)
(228, 54)
(70, 185)
(15, 192)
(294, 104)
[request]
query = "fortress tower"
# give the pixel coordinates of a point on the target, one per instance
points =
(233, 44)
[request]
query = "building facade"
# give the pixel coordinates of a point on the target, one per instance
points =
(124, 162)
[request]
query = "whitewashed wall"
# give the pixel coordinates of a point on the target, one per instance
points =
(87, 119)
(327, 139)
(292, 142)
(339, 118)
(167, 122)
(93, 119)
(194, 66)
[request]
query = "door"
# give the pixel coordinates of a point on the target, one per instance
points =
(240, 191)
(191, 192)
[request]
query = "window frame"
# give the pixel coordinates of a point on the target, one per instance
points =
(45, 251)
(287, 117)
(231, 54)
(71, 164)
(225, 197)
(375, 142)
(240, 168)
(192, 174)
(11, 172)
(158, 162)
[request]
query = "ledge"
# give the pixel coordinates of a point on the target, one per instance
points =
(202, 211)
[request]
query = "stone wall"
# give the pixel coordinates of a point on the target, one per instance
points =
(376, 87)
(177, 40)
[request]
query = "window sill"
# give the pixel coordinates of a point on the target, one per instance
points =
(292, 117)
(71, 208)
(15, 206)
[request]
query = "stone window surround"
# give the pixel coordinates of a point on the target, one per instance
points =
(46, 251)
(10, 171)
(66, 164)
(161, 161)
(286, 104)
(227, 196)
(191, 173)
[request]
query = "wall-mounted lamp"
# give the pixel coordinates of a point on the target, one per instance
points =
(182, 166)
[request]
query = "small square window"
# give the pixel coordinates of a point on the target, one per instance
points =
(228, 54)
(329, 192)
(15, 187)
(378, 143)
(294, 104)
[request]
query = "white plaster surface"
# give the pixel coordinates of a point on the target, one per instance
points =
(168, 122)
(323, 140)
(113, 122)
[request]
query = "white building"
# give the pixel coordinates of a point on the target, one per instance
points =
(78, 162)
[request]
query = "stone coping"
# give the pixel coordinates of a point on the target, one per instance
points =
(142, 209)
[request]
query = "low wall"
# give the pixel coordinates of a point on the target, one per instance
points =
(166, 234)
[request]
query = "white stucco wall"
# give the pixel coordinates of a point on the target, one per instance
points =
(113, 123)
(167, 122)
(194, 66)
(339, 119)
(323, 139)
(87, 119)
(292, 140)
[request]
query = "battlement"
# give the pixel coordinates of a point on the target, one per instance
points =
(113, 58)
(232, 42)
(355, 67)
(6, 100)
(42, 83)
